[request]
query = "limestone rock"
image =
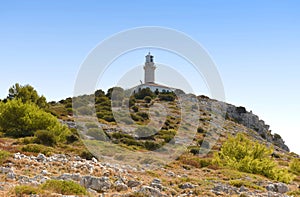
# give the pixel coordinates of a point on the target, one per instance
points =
(278, 187)
(99, 184)
(153, 192)
(133, 183)
(120, 186)
(186, 186)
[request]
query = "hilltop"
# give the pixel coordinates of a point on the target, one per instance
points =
(242, 157)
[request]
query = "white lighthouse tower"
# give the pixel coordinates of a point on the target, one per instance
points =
(149, 82)
(149, 69)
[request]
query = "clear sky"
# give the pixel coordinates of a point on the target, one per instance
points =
(255, 45)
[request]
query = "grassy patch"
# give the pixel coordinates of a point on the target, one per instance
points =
(4, 155)
(37, 148)
(245, 155)
(21, 190)
(295, 166)
(294, 193)
(64, 187)
(248, 184)
(195, 161)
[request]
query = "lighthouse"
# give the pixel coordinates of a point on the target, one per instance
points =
(149, 68)
(149, 80)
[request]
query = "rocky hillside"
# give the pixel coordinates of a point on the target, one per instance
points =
(243, 117)
(218, 161)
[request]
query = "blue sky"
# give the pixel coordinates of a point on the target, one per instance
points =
(255, 45)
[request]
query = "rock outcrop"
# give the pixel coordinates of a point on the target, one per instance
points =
(241, 116)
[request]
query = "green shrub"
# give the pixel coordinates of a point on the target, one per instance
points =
(136, 117)
(200, 130)
(204, 162)
(135, 108)
(141, 94)
(131, 142)
(195, 150)
(27, 94)
(19, 119)
(85, 154)
(73, 136)
(37, 148)
(252, 157)
(147, 99)
(294, 193)
(167, 138)
(4, 155)
(195, 161)
(144, 115)
(295, 166)
(109, 118)
(64, 187)
(168, 96)
(45, 137)
(150, 145)
(119, 135)
(248, 184)
(21, 190)
(28, 140)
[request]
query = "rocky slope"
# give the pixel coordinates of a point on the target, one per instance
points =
(107, 179)
(188, 175)
(241, 116)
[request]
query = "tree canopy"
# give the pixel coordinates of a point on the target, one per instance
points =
(26, 94)
(18, 119)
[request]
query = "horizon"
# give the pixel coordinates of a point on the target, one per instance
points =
(255, 46)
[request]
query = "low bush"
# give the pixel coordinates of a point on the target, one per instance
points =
(45, 137)
(200, 130)
(21, 190)
(147, 99)
(131, 142)
(252, 157)
(20, 119)
(4, 155)
(27, 140)
(119, 135)
(141, 94)
(136, 117)
(167, 96)
(195, 161)
(109, 118)
(144, 115)
(295, 166)
(195, 150)
(167, 138)
(64, 187)
(294, 193)
(150, 145)
(248, 184)
(85, 154)
(135, 108)
(37, 148)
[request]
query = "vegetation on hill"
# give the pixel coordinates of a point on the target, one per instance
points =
(20, 119)
(252, 157)
(34, 126)
(27, 94)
